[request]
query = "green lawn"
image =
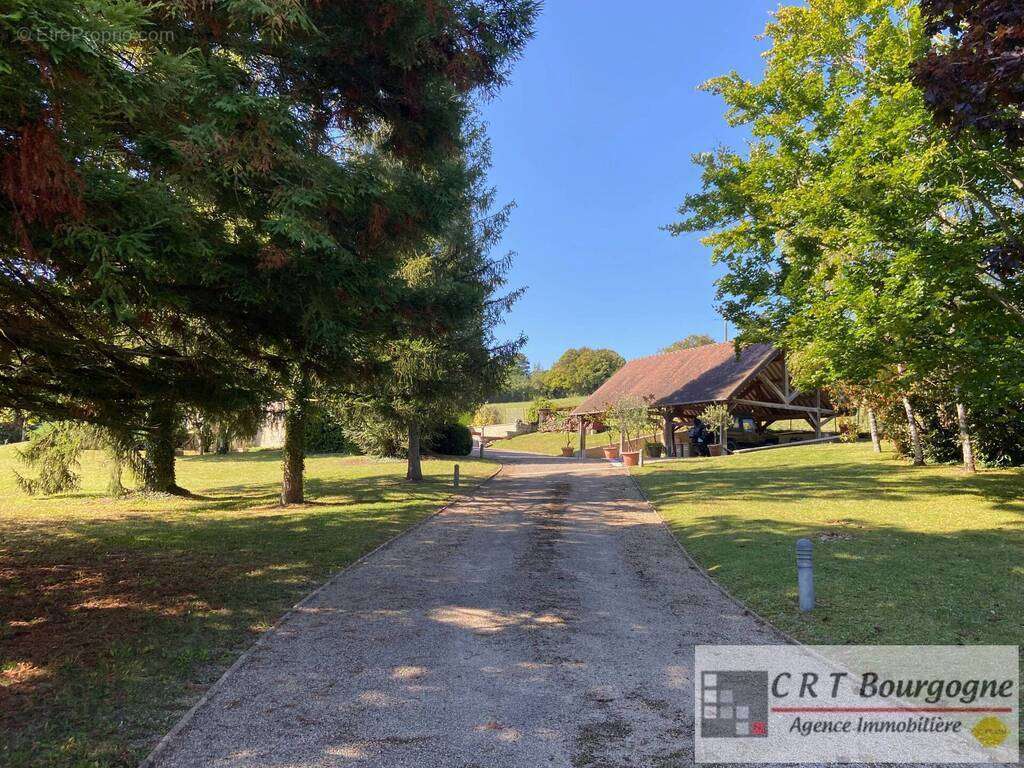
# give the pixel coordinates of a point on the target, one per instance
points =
(550, 443)
(902, 554)
(115, 615)
(517, 410)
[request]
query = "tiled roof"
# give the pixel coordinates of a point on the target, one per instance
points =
(707, 374)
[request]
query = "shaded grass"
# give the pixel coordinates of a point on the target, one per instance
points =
(902, 554)
(115, 615)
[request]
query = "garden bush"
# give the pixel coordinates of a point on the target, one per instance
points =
(10, 433)
(539, 404)
(450, 440)
(487, 415)
(324, 434)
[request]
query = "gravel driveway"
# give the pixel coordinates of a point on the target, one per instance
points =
(550, 621)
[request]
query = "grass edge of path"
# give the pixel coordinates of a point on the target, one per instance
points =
(168, 738)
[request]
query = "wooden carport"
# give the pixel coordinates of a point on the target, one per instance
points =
(679, 385)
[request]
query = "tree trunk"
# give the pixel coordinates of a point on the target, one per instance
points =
(160, 471)
(292, 487)
(965, 438)
(876, 442)
(415, 471)
(915, 433)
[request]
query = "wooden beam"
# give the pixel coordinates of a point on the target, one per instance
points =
(668, 433)
(780, 406)
(795, 443)
(774, 388)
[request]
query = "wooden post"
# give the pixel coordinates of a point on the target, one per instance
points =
(723, 437)
(583, 438)
(455, 477)
(817, 414)
(667, 434)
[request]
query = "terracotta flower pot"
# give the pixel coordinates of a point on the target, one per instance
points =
(568, 452)
(611, 451)
(716, 450)
(630, 458)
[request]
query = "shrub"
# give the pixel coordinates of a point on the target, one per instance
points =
(716, 417)
(630, 415)
(324, 434)
(54, 449)
(539, 404)
(486, 415)
(450, 439)
(374, 434)
(997, 434)
(10, 433)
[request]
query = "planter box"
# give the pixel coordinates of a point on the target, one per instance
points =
(611, 451)
(630, 458)
(716, 450)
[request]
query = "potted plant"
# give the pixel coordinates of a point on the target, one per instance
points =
(630, 415)
(568, 450)
(717, 419)
(611, 451)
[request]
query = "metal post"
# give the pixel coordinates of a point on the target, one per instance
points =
(455, 479)
(805, 573)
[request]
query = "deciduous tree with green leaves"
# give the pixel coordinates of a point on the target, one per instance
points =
(581, 371)
(854, 229)
(689, 342)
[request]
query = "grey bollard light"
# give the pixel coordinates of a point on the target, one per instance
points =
(455, 479)
(805, 573)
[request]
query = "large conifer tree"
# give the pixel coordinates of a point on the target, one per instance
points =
(200, 192)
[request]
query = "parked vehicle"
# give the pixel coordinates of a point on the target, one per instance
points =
(745, 433)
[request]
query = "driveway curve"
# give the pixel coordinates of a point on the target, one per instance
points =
(549, 621)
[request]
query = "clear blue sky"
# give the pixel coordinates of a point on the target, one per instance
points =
(592, 139)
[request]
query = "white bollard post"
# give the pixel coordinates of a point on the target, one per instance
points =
(805, 573)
